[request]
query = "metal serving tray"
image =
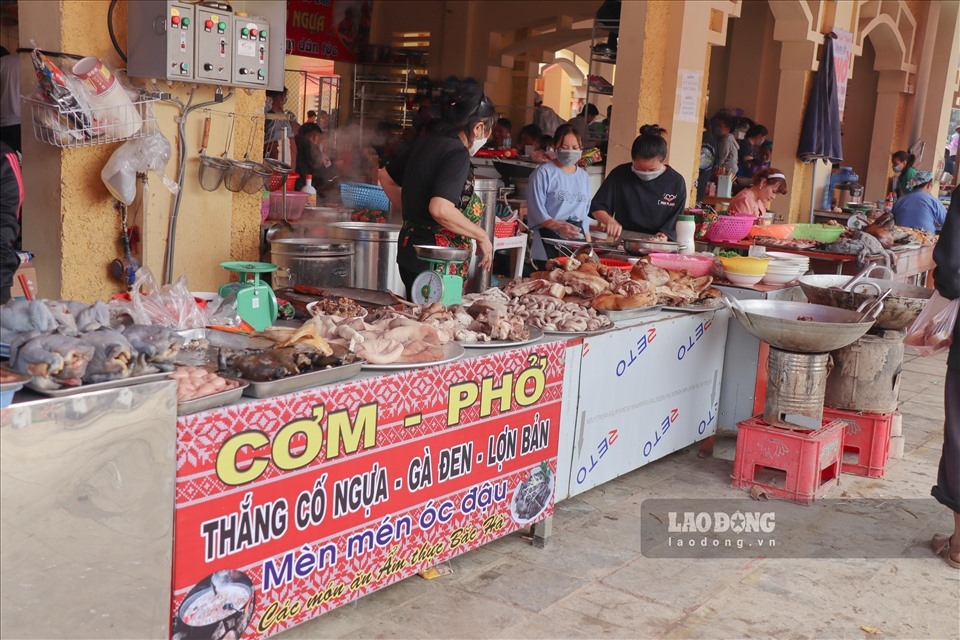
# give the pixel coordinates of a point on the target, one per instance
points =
(630, 314)
(301, 381)
(213, 400)
(63, 392)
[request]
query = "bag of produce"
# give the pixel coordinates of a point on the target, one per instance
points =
(932, 331)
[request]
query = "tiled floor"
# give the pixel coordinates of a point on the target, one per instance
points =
(592, 580)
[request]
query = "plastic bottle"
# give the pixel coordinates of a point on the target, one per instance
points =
(310, 191)
(507, 142)
(686, 227)
(888, 205)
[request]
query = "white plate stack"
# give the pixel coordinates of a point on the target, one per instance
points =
(785, 267)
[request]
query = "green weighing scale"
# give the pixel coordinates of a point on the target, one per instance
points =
(438, 284)
(256, 303)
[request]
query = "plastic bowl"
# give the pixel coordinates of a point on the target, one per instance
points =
(744, 265)
(695, 265)
(744, 280)
(787, 257)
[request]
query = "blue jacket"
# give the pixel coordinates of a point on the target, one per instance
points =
(919, 210)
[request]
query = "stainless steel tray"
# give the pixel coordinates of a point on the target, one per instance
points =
(63, 392)
(213, 400)
(301, 382)
(535, 334)
(595, 332)
(451, 351)
(218, 338)
(708, 304)
(13, 384)
(630, 314)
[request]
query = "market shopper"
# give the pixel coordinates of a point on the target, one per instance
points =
(946, 277)
(502, 136)
(545, 117)
(558, 201)
(902, 163)
(752, 201)
(11, 198)
(275, 124)
(310, 157)
(920, 209)
(645, 195)
(432, 184)
(727, 147)
(749, 161)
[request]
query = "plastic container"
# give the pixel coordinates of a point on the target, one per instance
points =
(295, 204)
(311, 192)
(730, 229)
(695, 265)
(744, 265)
(820, 232)
(505, 229)
(361, 195)
(799, 466)
(686, 229)
(6, 397)
(866, 443)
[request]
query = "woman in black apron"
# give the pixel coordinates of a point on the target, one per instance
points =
(432, 184)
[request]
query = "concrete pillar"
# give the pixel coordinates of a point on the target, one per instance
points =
(796, 61)
(889, 90)
(936, 89)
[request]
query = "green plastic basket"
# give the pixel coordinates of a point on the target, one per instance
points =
(820, 232)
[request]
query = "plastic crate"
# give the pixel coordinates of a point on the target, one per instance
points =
(730, 228)
(866, 443)
(361, 195)
(810, 460)
(820, 232)
(295, 203)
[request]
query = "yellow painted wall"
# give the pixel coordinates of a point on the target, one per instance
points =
(65, 192)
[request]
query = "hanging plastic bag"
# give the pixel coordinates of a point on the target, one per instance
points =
(150, 153)
(932, 331)
(171, 305)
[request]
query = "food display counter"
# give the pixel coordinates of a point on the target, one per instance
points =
(286, 507)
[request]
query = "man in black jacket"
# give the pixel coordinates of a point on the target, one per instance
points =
(946, 277)
(11, 197)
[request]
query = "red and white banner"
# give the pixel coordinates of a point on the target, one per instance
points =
(291, 506)
(331, 29)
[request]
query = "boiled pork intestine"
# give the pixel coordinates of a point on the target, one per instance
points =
(550, 314)
(394, 339)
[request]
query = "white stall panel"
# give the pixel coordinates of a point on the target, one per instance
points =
(646, 391)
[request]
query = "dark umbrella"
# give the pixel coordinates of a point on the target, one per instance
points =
(820, 136)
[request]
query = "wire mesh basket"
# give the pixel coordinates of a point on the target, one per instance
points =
(79, 127)
(361, 195)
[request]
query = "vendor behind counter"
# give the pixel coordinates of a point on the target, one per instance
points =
(645, 195)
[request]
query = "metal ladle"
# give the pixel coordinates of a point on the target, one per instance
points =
(273, 232)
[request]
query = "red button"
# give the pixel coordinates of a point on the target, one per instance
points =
(253, 32)
(208, 24)
(175, 20)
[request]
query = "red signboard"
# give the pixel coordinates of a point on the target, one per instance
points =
(331, 29)
(291, 506)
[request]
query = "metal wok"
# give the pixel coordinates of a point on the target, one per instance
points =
(776, 322)
(900, 308)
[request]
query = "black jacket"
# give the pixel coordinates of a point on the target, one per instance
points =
(946, 275)
(11, 197)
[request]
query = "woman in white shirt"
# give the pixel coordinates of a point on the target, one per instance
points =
(558, 199)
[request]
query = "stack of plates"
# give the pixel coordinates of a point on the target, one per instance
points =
(786, 267)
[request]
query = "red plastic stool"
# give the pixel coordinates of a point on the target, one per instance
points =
(810, 459)
(867, 441)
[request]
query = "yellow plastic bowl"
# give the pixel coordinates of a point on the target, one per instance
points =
(746, 266)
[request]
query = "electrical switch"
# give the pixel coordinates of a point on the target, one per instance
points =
(175, 20)
(207, 66)
(186, 22)
(208, 25)
(222, 27)
(244, 32)
(263, 35)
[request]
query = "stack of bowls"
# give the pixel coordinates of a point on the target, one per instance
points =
(785, 268)
(744, 271)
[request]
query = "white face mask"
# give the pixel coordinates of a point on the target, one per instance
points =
(477, 145)
(647, 176)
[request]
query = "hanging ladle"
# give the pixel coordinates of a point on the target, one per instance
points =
(281, 225)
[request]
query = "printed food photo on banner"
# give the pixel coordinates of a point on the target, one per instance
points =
(220, 607)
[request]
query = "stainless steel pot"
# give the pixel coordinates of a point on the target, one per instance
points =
(375, 258)
(488, 190)
(900, 308)
(317, 263)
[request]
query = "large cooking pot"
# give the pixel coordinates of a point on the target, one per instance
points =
(375, 262)
(224, 598)
(900, 308)
(312, 261)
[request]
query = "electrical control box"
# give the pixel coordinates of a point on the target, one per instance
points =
(214, 62)
(251, 36)
(206, 43)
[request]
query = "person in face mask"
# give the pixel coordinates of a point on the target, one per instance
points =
(644, 195)
(432, 184)
(558, 198)
(904, 172)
